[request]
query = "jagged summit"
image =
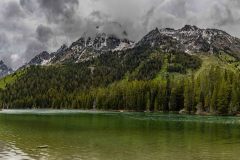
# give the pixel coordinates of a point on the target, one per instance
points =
(192, 40)
(42, 58)
(190, 28)
(87, 47)
(4, 69)
(101, 41)
(189, 39)
(63, 48)
(83, 49)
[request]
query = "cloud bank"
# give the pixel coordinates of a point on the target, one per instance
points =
(28, 27)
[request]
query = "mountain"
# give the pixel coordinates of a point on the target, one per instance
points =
(41, 59)
(192, 40)
(4, 70)
(189, 39)
(189, 70)
(83, 49)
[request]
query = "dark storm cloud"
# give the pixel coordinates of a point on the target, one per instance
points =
(98, 15)
(148, 16)
(28, 5)
(4, 52)
(63, 14)
(28, 27)
(60, 10)
(178, 8)
(44, 33)
(114, 28)
(3, 41)
(34, 48)
(13, 10)
(222, 14)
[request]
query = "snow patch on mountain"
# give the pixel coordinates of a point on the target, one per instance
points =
(123, 46)
(192, 40)
(189, 39)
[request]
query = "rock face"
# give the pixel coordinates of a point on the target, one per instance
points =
(192, 40)
(83, 49)
(4, 70)
(86, 48)
(41, 59)
(45, 58)
(189, 39)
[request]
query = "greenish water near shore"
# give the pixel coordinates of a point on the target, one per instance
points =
(88, 135)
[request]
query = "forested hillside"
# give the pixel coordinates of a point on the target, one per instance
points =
(154, 75)
(148, 80)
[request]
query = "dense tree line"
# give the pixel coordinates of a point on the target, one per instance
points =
(139, 80)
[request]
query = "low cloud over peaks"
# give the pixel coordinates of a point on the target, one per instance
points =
(28, 27)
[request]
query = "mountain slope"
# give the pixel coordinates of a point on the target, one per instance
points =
(189, 39)
(192, 40)
(167, 70)
(83, 49)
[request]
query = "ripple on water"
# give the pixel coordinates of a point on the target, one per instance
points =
(119, 136)
(10, 152)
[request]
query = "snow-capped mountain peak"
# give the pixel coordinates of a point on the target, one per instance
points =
(40, 59)
(85, 48)
(188, 28)
(101, 42)
(63, 48)
(193, 40)
(189, 39)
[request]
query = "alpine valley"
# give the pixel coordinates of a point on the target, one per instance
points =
(189, 70)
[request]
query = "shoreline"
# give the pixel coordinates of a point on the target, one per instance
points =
(52, 111)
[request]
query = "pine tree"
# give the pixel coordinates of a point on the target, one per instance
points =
(188, 105)
(222, 98)
(172, 100)
(148, 102)
(235, 99)
(213, 101)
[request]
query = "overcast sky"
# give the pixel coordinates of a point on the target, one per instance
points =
(28, 27)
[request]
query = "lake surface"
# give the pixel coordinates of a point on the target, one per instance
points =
(48, 134)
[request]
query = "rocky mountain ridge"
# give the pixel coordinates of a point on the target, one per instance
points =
(189, 39)
(192, 40)
(83, 49)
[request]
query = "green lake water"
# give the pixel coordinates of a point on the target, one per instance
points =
(48, 134)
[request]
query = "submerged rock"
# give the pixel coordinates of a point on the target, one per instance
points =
(183, 111)
(42, 147)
